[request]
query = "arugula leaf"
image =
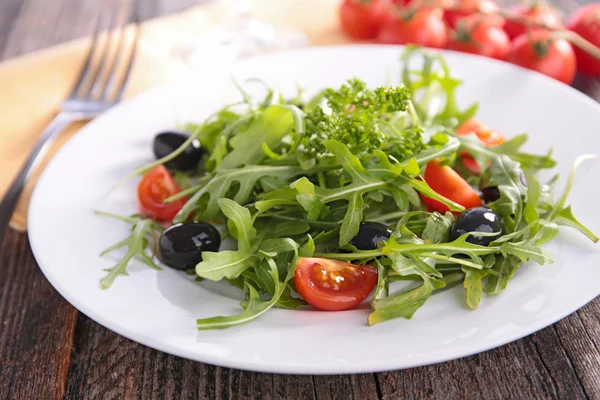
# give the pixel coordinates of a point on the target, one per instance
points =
(473, 286)
(566, 218)
(534, 191)
(403, 304)
(560, 204)
(136, 244)
(143, 231)
(504, 269)
(437, 229)
(268, 129)
(255, 307)
(231, 263)
(506, 175)
(219, 186)
(269, 273)
(289, 302)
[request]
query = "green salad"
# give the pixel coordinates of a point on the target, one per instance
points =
(332, 200)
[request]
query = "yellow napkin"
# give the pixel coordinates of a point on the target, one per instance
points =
(33, 86)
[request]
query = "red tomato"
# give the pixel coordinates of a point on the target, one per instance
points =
(487, 136)
(333, 285)
(423, 3)
(553, 57)
(423, 27)
(153, 189)
(586, 22)
(470, 163)
(539, 13)
(468, 8)
(447, 182)
(362, 19)
(477, 36)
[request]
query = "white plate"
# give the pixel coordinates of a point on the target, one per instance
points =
(159, 309)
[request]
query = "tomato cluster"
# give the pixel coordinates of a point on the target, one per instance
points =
(532, 36)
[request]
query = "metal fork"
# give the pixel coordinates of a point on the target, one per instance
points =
(92, 94)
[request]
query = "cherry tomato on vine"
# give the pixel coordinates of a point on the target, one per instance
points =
(540, 52)
(447, 182)
(537, 12)
(586, 22)
(362, 19)
(423, 3)
(423, 27)
(333, 285)
(469, 8)
(478, 36)
(157, 185)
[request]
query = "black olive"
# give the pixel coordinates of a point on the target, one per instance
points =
(490, 194)
(181, 245)
(479, 219)
(369, 235)
(167, 142)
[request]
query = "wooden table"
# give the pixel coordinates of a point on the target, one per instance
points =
(49, 350)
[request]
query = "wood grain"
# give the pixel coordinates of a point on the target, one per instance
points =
(49, 351)
(36, 327)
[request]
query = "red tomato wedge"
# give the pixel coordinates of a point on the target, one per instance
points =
(156, 186)
(333, 285)
(447, 182)
(487, 136)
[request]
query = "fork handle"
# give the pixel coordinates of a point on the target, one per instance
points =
(11, 198)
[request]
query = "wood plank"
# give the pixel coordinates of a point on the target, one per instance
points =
(107, 366)
(535, 367)
(37, 327)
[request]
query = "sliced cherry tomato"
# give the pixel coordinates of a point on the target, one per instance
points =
(470, 163)
(541, 53)
(469, 8)
(540, 13)
(447, 182)
(362, 19)
(157, 185)
(424, 27)
(478, 36)
(487, 136)
(586, 22)
(333, 285)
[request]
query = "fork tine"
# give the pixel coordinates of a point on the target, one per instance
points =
(88, 61)
(120, 86)
(99, 71)
(108, 88)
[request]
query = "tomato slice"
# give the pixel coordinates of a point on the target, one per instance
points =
(157, 185)
(447, 182)
(470, 163)
(486, 135)
(333, 285)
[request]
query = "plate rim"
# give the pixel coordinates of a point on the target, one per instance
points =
(307, 369)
